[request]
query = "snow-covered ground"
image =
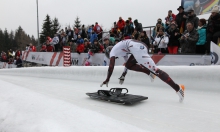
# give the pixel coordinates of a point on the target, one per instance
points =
(53, 100)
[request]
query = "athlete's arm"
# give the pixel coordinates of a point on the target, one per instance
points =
(110, 70)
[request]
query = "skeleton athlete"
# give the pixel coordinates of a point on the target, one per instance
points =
(139, 61)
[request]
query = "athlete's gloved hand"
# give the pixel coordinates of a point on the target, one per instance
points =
(105, 83)
(121, 79)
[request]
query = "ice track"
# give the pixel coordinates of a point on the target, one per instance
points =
(53, 99)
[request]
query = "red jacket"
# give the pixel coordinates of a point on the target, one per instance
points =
(101, 49)
(49, 48)
(173, 18)
(80, 48)
(121, 24)
(18, 53)
(43, 48)
(32, 48)
(97, 29)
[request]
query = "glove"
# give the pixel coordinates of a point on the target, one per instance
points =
(121, 79)
(104, 83)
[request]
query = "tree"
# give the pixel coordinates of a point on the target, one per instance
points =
(55, 26)
(77, 23)
(46, 29)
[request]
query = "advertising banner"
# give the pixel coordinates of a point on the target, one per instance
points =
(200, 6)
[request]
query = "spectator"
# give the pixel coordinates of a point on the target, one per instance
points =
(135, 34)
(10, 62)
(130, 22)
(43, 48)
(121, 24)
(189, 39)
(181, 19)
(32, 47)
(63, 39)
(174, 36)
(116, 41)
(128, 30)
(89, 32)
(93, 37)
(156, 29)
(87, 45)
(114, 29)
(70, 34)
(161, 41)
(18, 62)
(3, 56)
(55, 42)
(83, 34)
(170, 18)
(10, 53)
(159, 21)
(106, 43)
(138, 26)
(80, 45)
(98, 30)
(50, 48)
(95, 47)
(18, 53)
(144, 38)
(112, 38)
(213, 28)
(200, 45)
(192, 18)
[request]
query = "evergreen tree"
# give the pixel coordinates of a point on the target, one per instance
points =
(2, 41)
(46, 29)
(77, 23)
(55, 25)
(6, 40)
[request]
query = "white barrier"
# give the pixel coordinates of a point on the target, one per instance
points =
(99, 59)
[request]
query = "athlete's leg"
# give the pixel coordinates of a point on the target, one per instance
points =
(131, 64)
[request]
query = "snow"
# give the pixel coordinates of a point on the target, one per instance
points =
(53, 99)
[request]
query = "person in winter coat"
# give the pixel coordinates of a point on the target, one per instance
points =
(98, 29)
(87, 45)
(189, 39)
(144, 38)
(161, 42)
(18, 62)
(174, 36)
(170, 18)
(121, 24)
(213, 28)
(181, 19)
(128, 30)
(200, 45)
(138, 26)
(80, 45)
(93, 37)
(192, 18)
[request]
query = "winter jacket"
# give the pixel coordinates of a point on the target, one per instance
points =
(145, 40)
(173, 39)
(50, 48)
(180, 21)
(202, 35)
(87, 48)
(194, 19)
(18, 63)
(128, 30)
(161, 41)
(93, 37)
(54, 41)
(96, 48)
(171, 18)
(97, 29)
(138, 27)
(189, 45)
(121, 24)
(213, 25)
(79, 41)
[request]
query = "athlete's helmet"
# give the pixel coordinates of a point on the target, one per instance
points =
(107, 51)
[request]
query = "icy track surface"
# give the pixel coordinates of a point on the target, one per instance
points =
(53, 100)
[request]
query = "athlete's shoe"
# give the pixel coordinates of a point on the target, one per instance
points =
(152, 77)
(181, 93)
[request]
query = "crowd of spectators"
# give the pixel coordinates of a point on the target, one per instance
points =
(181, 33)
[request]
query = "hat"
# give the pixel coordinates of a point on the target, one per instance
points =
(135, 21)
(86, 40)
(106, 39)
(180, 7)
(215, 9)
